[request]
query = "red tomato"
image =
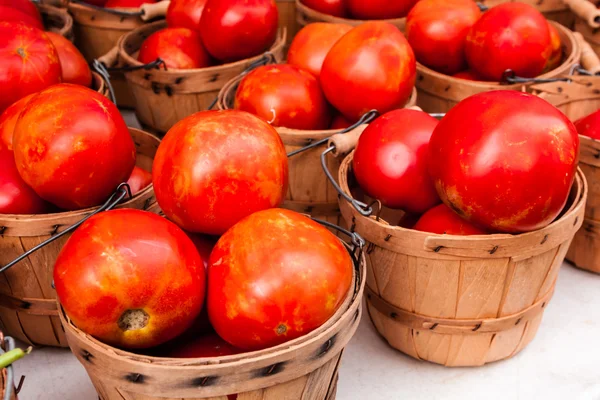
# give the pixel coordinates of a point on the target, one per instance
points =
(379, 9)
(8, 120)
(468, 75)
(141, 283)
(442, 220)
(74, 67)
(230, 162)
(233, 30)
(436, 31)
(15, 196)
(127, 3)
(312, 43)
(24, 6)
(284, 95)
(336, 8)
(275, 276)
(390, 161)
(509, 36)
(370, 67)
(589, 126)
(72, 146)
(504, 160)
(185, 14)
(179, 48)
(557, 52)
(339, 122)
(28, 60)
(210, 345)
(10, 14)
(139, 180)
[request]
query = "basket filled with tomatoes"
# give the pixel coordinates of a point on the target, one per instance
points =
(228, 296)
(465, 244)
(321, 59)
(461, 51)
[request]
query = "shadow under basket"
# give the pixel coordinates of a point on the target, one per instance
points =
(57, 20)
(309, 191)
(303, 369)
(28, 307)
(460, 300)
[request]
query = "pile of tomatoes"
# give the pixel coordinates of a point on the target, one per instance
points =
(362, 9)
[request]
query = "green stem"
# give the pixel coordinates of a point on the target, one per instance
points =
(10, 357)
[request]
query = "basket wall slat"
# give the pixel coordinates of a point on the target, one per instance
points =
(287, 18)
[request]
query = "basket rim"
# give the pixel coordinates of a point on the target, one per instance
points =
(330, 18)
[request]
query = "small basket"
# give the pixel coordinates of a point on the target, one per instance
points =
(438, 92)
(57, 20)
(460, 300)
(28, 309)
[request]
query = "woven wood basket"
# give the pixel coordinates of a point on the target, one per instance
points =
(306, 15)
(303, 369)
(309, 190)
(457, 300)
(287, 18)
(555, 10)
(438, 93)
(28, 309)
(57, 20)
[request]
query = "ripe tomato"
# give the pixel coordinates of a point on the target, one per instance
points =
(15, 196)
(275, 276)
(179, 48)
(509, 36)
(72, 146)
(557, 52)
(436, 31)
(10, 14)
(127, 3)
(284, 95)
(214, 168)
(312, 43)
(139, 180)
(390, 161)
(504, 160)
(210, 345)
(339, 122)
(9, 118)
(24, 6)
(29, 62)
(141, 283)
(74, 67)
(379, 9)
(233, 30)
(443, 221)
(336, 8)
(185, 14)
(468, 75)
(589, 126)
(370, 67)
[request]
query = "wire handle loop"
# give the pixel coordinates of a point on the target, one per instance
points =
(509, 77)
(151, 65)
(103, 72)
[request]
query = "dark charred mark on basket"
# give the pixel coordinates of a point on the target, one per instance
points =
(576, 221)
(421, 77)
(356, 314)
(325, 347)
(155, 88)
(589, 228)
(559, 89)
(437, 249)
(87, 356)
(179, 80)
(476, 328)
(2, 230)
(214, 78)
(387, 238)
(545, 239)
(518, 321)
(393, 315)
(495, 249)
(270, 370)
(205, 381)
(447, 88)
(25, 305)
(135, 378)
(54, 230)
(168, 90)
(147, 203)
(433, 326)
(147, 76)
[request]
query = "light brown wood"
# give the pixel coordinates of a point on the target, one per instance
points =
(457, 300)
(589, 59)
(28, 309)
(151, 11)
(57, 20)
(287, 18)
(99, 85)
(302, 369)
(554, 10)
(438, 93)
(591, 35)
(586, 10)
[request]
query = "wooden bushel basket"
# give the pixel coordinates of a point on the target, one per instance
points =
(306, 15)
(302, 369)
(163, 98)
(438, 93)
(309, 190)
(460, 300)
(57, 20)
(28, 308)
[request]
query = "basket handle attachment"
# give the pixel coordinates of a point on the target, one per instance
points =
(509, 77)
(154, 10)
(589, 59)
(122, 191)
(586, 10)
(103, 72)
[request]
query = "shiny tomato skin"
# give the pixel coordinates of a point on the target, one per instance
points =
(509, 36)
(336, 8)
(72, 146)
(390, 160)
(74, 67)
(125, 260)
(504, 160)
(312, 43)
(273, 277)
(379, 9)
(557, 52)
(443, 221)
(9, 118)
(436, 31)
(24, 6)
(139, 180)
(179, 48)
(284, 95)
(15, 196)
(339, 122)
(233, 30)
(185, 14)
(29, 62)
(370, 67)
(239, 167)
(589, 125)
(9, 14)
(210, 345)
(468, 75)
(127, 3)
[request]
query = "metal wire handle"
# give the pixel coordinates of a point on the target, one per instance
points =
(510, 77)
(581, 71)
(482, 7)
(110, 10)
(151, 65)
(119, 194)
(103, 72)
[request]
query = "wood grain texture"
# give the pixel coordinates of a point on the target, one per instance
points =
(456, 300)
